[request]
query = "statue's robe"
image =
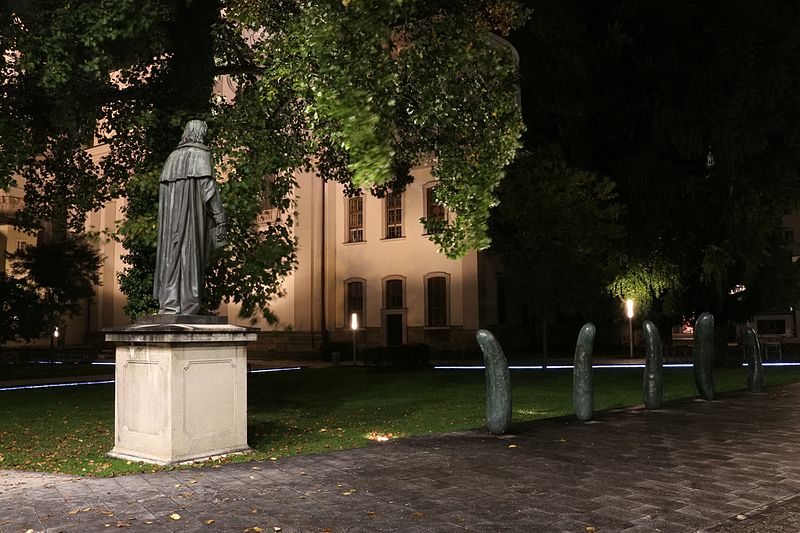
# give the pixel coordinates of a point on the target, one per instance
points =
(189, 209)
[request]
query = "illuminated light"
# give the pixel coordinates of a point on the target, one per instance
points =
(103, 363)
(629, 307)
(379, 437)
(354, 321)
(55, 333)
(737, 289)
(288, 369)
(570, 367)
(55, 385)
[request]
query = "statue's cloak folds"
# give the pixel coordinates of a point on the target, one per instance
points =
(188, 207)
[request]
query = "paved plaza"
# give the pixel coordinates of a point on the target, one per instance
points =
(728, 465)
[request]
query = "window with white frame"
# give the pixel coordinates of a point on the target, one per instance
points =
(355, 219)
(394, 215)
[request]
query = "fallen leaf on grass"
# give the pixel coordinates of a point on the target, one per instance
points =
(348, 492)
(175, 516)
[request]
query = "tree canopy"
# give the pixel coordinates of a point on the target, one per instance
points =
(692, 109)
(362, 91)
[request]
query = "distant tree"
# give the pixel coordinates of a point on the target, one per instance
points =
(20, 310)
(364, 91)
(691, 108)
(557, 231)
(61, 274)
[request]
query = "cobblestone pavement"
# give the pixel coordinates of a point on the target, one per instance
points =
(693, 465)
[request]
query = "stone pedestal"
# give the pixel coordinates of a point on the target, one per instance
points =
(181, 389)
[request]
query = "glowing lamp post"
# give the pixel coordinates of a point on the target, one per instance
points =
(354, 327)
(629, 312)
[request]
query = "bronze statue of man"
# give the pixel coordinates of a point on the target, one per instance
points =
(191, 223)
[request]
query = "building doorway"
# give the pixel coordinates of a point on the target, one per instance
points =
(394, 329)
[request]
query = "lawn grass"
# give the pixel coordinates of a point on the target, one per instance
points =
(69, 430)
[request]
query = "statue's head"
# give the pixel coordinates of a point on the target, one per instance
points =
(194, 131)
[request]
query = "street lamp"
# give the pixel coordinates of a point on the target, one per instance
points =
(354, 327)
(629, 310)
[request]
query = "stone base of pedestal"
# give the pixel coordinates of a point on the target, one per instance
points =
(181, 391)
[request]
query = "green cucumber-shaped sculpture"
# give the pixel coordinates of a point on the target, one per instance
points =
(498, 383)
(755, 370)
(704, 355)
(582, 391)
(653, 386)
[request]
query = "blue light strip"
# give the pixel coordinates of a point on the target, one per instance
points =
(54, 385)
(108, 381)
(262, 370)
(103, 363)
(599, 366)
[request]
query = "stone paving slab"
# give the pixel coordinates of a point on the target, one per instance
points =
(692, 466)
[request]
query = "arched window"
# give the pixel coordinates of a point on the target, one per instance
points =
(393, 295)
(354, 300)
(436, 300)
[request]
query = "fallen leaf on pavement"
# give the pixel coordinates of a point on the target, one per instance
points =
(175, 516)
(741, 517)
(418, 514)
(512, 445)
(590, 529)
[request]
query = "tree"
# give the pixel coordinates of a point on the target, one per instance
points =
(364, 91)
(50, 281)
(691, 107)
(556, 230)
(20, 312)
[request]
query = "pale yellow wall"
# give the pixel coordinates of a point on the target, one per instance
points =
(411, 257)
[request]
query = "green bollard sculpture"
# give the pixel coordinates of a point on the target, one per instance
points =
(653, 386)
(704, 355)
(582, 391)
(498, 383)
(755, 370)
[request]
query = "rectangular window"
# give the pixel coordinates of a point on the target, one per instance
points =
(355, 301)
(22, 246)
(394, 294)
(394, 215)
(355, 219)
(433, 210)
(437, 301)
